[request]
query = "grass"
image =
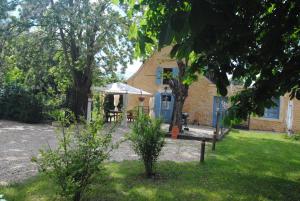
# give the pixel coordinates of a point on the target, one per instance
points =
(246, 166)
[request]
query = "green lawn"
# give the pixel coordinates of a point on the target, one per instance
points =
(246, 166)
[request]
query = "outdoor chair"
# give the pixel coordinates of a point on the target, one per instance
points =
(108, 116)
(130, 116)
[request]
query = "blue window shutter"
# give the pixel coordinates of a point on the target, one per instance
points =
(175, 72)
(159, 75)
(157, 104)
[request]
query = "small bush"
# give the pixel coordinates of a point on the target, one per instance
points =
(147, 140)
(295, 136)
(80, 153)
(18, 104)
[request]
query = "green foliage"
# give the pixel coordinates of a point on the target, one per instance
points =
(91, 37)
(230, 38)
(61, 52)
(147, 140)
(295, 136)
(19, 104)
(14, 75)
(35, 66)
(79, 156)
(6, 19)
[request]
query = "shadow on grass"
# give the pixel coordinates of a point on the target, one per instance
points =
(244, 167)
(189, 181)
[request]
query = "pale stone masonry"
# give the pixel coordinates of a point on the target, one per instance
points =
(200, 102)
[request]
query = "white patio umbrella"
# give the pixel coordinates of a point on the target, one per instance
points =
(122, 88)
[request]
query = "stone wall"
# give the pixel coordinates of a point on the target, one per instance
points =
(199, 103)
(144, 78)
(278, 125)
(296, 116)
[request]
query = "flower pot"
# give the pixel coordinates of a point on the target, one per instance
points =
(141, 99)
(175, 132)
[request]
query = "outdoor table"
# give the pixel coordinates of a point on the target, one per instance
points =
(116, 114)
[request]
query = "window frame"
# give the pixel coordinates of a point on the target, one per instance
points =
(273, 113)
(168, 101)
(165, 80)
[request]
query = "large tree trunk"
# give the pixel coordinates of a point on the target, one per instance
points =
(77, 100)
(177, 114)
(180, 92)
(78, 96)
(77, 196)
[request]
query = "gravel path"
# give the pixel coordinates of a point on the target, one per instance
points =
(19, 142)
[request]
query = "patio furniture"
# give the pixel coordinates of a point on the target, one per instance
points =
(121, 88)
(130, 116)
(185, 121)
(116, 114)
(107, 116)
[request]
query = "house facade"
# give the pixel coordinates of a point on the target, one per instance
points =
(203, 101)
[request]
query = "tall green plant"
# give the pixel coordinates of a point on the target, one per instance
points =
(81, 151)
(147, 140)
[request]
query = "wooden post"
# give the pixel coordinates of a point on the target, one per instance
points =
(125, 105)
(249, 122)
(213, 147)
(216, 133)
(89, 110)
(202, 152)
(218, 123)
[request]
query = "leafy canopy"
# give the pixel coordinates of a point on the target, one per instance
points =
(254, 41)
(63, 46)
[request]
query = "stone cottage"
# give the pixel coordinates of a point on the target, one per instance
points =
(203, 100)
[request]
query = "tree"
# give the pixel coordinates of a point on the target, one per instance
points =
(6, 6)
(180, 92)
(35, 66)
(91, 35)
(256, 41)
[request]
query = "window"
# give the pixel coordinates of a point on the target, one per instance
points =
(167, 75)
(273, 112)
(166, 101)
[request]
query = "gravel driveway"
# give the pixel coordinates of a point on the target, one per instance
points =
(19, 142)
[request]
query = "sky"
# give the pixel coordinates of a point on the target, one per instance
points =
(132, 68)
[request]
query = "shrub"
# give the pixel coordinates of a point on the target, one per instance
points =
(147, 140)
(295, 136)
(79, 155)
(18, 104)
